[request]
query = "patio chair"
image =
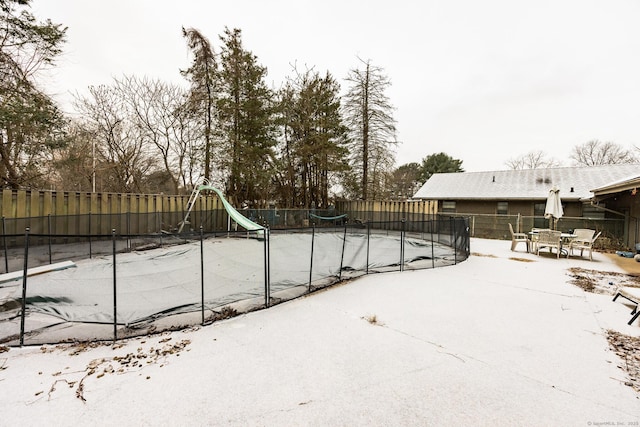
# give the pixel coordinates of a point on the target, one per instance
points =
(584, 240)
(583, 233)
(632, 295)
(534, 238)
(517, 238)
(549, 239)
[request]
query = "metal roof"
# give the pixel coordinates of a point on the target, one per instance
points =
(628, 183)
(575, 183)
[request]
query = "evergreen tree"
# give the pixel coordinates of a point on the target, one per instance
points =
(30, 123)
(439, 163)
(203, 76)
(314, 149)
(286, 164)
(405, 181)
(246, 113)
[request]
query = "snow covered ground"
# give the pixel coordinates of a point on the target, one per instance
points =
(503, 338)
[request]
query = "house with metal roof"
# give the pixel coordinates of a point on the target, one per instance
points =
(524, 192)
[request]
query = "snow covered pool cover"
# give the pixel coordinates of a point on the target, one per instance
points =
(164, 281)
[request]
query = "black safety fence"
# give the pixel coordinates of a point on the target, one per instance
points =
(91, 287)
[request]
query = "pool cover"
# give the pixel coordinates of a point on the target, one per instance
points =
(164, 281)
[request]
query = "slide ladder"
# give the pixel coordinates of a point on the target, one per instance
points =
(190, 203)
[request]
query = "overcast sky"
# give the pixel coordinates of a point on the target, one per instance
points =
(483, 81)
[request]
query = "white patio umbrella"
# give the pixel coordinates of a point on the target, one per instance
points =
(554, 206)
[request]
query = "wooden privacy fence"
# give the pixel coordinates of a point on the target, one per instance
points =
(76, 213)
(29, 203)
(411, 210)
(83, 213)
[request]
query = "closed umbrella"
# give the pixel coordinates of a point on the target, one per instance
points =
(554, 206)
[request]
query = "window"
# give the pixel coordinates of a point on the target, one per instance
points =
(448, 206)
(538, 212)
(503, 208)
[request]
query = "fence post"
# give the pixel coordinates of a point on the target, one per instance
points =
(344, 241)
(267, 296)
(115, 299)
(455, 242)
(4, 244)
(313, 237)
(24, 285)
(467, 240)
(368, 243)
(269, 262)
(49, 226)
(159, 221)
(202, 271)
(433, 259)
(402, 234)
(90, 248)
(128, 216)
(473, 225)
(204, 215)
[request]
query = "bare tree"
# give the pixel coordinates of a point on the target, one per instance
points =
(369, 116)
(594, 152)
(159, 112)
(381, 164)
(532, 160)
(121, 157)
(71, 167)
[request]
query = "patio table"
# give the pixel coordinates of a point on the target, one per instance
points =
(564, 239)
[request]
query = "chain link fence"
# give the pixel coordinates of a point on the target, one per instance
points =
(497, 227)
